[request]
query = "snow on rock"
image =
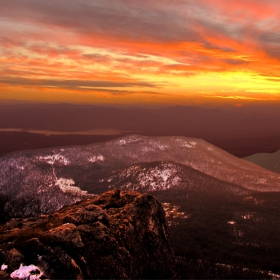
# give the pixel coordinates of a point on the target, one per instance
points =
(96, 158)
(4, 267)
(68, 185)
(31, 272)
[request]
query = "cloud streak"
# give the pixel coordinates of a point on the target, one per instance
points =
(73, 84)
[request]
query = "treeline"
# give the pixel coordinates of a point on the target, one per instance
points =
(241, 232)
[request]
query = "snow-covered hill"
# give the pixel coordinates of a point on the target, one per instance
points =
(67, 162)
(155, 176)
(51, 178)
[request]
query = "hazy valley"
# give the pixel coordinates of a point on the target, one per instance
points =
(241, 132)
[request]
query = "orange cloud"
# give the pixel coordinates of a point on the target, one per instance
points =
(179, 50)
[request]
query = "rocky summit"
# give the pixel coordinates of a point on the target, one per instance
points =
(119, 234)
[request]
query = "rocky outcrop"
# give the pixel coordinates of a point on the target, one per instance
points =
(119, 234)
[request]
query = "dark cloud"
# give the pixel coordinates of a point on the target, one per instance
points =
(163, 21)
(212, 46)
(130, 20)
(235, 61)
(273, 79)
(47, 49)
(270, 43)
(269, 37)
(73, 84)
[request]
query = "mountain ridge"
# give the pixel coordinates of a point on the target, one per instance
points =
(160, 148)
(67, 174)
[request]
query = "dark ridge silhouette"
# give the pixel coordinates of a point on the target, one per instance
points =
(270, 161)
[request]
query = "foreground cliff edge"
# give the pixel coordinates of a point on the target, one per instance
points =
(119, 234)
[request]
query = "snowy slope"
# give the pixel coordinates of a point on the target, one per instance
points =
(163, 175)
(86, 165)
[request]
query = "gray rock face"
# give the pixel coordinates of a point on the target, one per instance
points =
(119, 234)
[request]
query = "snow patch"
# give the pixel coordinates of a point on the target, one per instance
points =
(129, 140)
(147, 149)
(162, 147)
(51, 159)
(31, 272)
(4, 267)
(247, 216)
(189, 144)
(261, 181)
(161, 177)
(122, 142)
(68, 186)
(172, 212)
(96, 158)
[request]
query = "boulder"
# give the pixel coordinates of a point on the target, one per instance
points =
(119, 234)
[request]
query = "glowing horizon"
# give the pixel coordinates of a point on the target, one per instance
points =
(140, 52)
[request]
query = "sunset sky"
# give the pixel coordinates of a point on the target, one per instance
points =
(131, 52)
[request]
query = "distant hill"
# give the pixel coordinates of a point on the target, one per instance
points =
(164, 175)
(41, 181)
(270, 161)
(178, 120)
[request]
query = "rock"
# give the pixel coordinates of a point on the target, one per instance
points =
(119, 234)
(12, 257)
